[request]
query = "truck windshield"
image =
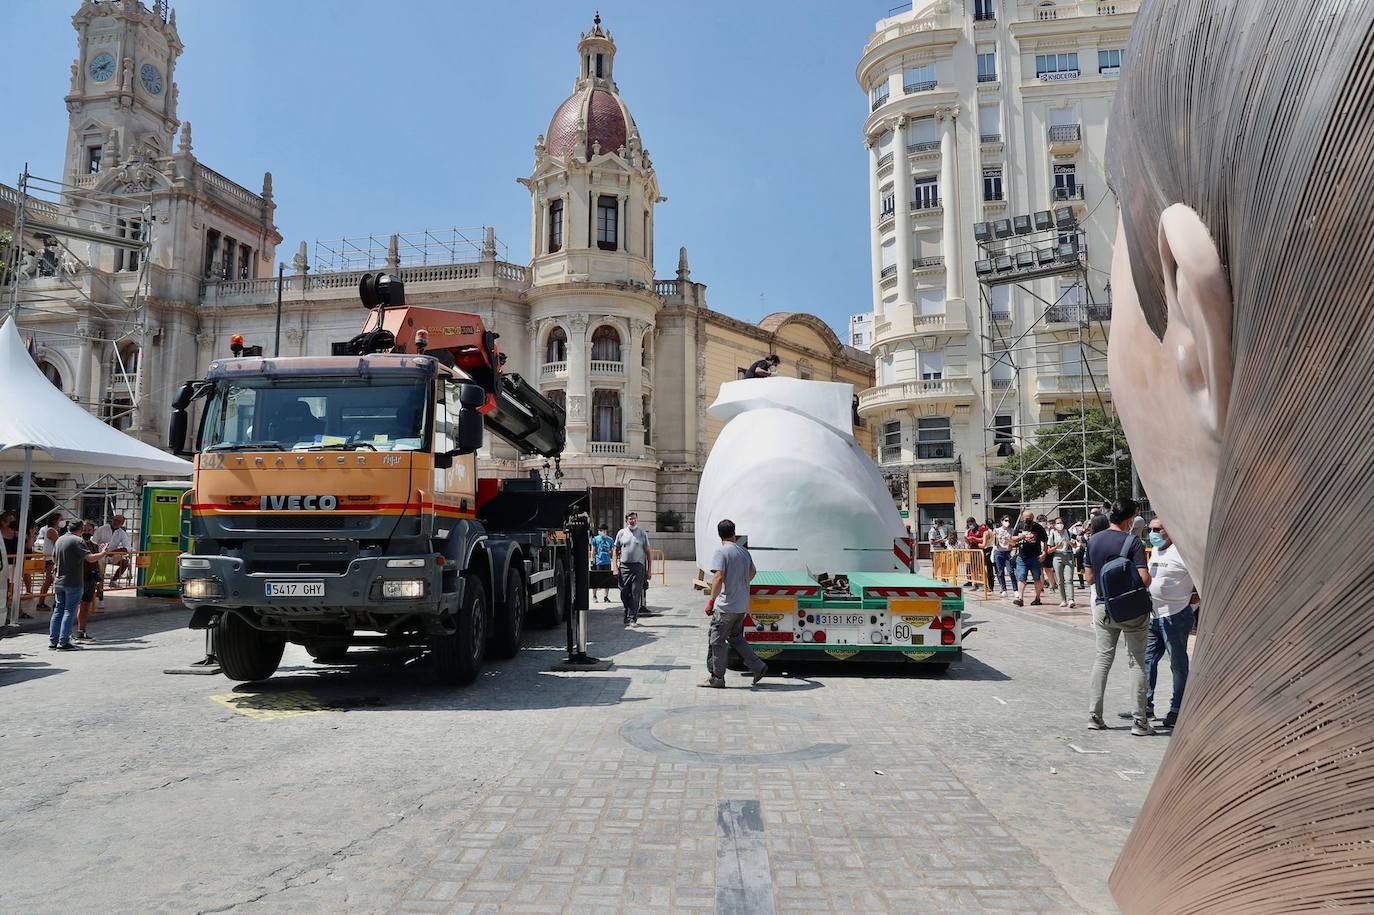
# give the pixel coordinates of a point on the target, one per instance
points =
(319, 414)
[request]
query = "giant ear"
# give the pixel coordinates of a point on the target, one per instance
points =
(1197, 341)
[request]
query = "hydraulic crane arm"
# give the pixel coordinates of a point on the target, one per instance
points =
(515, 409)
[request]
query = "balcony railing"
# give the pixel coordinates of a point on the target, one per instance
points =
(124, 381)
(1071, 192)
(927, 263)
(553, 369)
(1066, 133)
(666, 287)
(990, 138)
(878, 102)
(264, 289)
(926, 203)
(607, 447)
(1002, 384)
(923, 146)
(1001, 316)
(889, 270)
(956, 389)
(1078, 314)
(923, 86)
(890, 454)
(987, 77)
(885, 160)
(989, 196)
(1109, 71)
(607, 367)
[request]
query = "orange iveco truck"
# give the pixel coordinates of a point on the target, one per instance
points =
(336, 501)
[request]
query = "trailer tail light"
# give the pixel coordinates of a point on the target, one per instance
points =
(818, 636)
(947, 622)
(947, 637)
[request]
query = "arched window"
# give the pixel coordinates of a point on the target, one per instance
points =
(606, 344)
(606, 416)
(556, 350)
(645, 357)
(51, 373)
(126, 360)
(648, 424)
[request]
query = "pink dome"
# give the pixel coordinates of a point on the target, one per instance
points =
(608, 123)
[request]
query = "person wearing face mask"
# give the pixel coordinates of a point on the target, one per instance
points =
(1062, 546)
(630, 558)
(1002, 542)
(1171, 618)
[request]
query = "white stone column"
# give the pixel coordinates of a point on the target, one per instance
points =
(83, 365)
(875, 207)
(578, 393)
(901, 187)
(634, 389)
(575, 217)
(949, 199)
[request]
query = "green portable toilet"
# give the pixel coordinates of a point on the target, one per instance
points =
(162, 537)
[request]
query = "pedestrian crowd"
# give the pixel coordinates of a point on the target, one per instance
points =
(76, 556)
(1124, 567)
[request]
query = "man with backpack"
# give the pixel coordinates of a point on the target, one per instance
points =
(1117, 569)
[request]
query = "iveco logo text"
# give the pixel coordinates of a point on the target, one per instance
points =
(298, 503)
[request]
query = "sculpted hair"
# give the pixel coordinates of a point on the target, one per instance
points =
(1257, 114)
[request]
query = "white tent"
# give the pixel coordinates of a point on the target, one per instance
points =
(43, 431)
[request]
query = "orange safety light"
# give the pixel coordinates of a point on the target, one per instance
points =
(236, 344)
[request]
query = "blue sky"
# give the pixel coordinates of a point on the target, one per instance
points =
(379, 117)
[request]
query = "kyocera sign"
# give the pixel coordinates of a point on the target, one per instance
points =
(298, 503)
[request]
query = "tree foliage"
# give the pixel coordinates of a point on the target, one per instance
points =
(1053, 461)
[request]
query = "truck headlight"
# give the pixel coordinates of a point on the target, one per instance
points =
(404, 589)
(192, 563)
(202, 588)
(405, 563)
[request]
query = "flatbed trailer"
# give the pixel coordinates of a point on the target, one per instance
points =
(870, 616)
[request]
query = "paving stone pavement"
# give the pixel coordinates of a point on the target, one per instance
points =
(833, 789)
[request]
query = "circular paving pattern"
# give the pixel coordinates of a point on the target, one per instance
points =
(730, 735)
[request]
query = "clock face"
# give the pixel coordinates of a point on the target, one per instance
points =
(152, 79)
(102, 67)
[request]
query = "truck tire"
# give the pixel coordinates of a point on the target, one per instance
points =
(458, 655)
(509, 627)
(246, 653)
(552, 611)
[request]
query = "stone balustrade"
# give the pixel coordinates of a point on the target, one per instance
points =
(230, 189)
(607, 367)
(608, 448)
(554, 369)
(264, 289)
(954, 390)
(667, 288)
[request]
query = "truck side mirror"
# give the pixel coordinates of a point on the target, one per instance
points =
(469, 437)
(176, 432)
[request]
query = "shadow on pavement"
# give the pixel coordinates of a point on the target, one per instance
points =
(13, 672)
(970, 668)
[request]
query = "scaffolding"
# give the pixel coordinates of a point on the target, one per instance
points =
(59, 287)
(425, 248)
(77, 269)
(1014, 253)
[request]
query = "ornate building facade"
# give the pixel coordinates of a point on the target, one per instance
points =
(635, 360)
(977, 112)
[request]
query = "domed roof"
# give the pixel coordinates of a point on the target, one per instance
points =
(607, 120)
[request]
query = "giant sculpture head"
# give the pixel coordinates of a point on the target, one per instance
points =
(1242, 363)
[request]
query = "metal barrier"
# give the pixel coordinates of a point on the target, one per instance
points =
(959, 566)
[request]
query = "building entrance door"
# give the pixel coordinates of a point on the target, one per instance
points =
(608, 508)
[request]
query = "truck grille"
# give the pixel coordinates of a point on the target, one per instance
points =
(288, 523)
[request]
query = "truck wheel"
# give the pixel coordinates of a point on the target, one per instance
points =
(458, 655)
(246, 653)
(326, 654)
(509, 628)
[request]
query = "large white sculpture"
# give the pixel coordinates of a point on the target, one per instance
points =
(788, 471)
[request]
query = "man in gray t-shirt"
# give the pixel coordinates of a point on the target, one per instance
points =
(630, 561)
(70, 557)
(733, 569)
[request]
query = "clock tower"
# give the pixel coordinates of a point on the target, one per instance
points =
(122, 100)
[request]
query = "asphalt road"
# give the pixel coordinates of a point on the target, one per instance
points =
(373, 789)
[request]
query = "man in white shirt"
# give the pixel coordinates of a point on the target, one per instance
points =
(114, 539)
(1173, 597)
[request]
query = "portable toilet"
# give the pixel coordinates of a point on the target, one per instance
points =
(163, 536)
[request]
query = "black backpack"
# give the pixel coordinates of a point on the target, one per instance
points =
(1120, 588)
